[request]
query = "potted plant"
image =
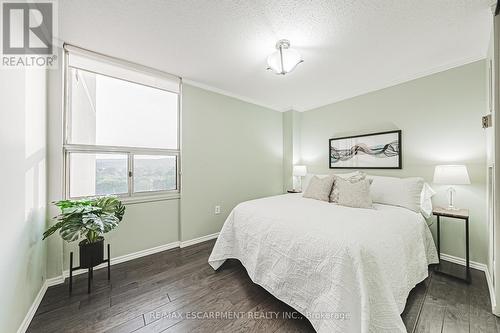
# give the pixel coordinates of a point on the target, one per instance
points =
(89, 219)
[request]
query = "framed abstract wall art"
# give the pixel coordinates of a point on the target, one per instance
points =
(367, 151)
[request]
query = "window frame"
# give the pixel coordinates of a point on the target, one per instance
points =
(69, 148)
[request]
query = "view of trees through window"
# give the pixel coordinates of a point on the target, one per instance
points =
(154, 173)
(110, 176)
(151, 173)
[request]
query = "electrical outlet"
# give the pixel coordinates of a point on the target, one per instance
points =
(217, 210)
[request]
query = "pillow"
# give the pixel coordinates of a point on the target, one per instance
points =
(319, 188)
(401, 192)
(351, 177)
(307, 180)
(354, 194)
(309, 176)
(426, 200)
(349, 174)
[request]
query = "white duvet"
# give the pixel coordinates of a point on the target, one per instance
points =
(346, 269)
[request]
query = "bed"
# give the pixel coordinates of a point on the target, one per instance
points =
(345, 269)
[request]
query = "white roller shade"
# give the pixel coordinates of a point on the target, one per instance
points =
(120, 69)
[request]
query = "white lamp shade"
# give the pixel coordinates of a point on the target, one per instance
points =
(451, 175)
(300, 170)
(291, 58)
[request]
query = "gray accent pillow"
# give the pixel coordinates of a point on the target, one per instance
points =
(319, 188)
(350, 177)
(354, 194)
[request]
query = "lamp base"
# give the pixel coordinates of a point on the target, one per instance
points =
(451, 199)
(297, 184)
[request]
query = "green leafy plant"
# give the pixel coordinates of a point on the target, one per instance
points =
(88, 218)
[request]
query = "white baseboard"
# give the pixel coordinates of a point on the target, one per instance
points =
(492, 291)
(54, 281)
(32, 310)
(199, 240)
(479, 266)
(127, 257)
(461, 261)
(140, 254)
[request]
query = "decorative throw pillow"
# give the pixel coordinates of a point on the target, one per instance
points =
(308, 177)
(319, 188)
(351, 177)
(354, 194)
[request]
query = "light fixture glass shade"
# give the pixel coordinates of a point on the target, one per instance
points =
(274, 62)
(285, 59)
(299, 170)
(451, 175)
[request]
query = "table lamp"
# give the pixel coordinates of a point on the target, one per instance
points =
(451, 175)
(299, 171)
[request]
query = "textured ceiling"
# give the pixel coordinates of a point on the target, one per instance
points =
(349, 47)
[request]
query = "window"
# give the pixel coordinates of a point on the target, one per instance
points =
(121, 128)
(154, 173)
(97, 174)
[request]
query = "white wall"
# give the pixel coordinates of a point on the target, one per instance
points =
(22, 193)
(496, 249)
(490, 160)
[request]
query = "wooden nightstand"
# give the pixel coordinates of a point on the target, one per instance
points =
(461, 214)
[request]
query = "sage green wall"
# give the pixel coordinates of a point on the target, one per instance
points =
(288, 161)
(440, 116)
(23, 192)
(145, 225)
(291, 146)
(232, 151)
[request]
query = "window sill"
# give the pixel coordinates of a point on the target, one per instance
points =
(150, 198)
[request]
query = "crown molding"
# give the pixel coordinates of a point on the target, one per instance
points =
(435, 70)
(230, 94)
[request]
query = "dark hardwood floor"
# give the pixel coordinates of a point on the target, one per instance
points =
(164, 292)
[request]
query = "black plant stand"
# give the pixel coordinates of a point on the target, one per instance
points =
(90, 272)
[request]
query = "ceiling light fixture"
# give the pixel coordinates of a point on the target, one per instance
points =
(285, 59)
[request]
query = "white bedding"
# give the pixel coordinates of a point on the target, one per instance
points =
(331, 262)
